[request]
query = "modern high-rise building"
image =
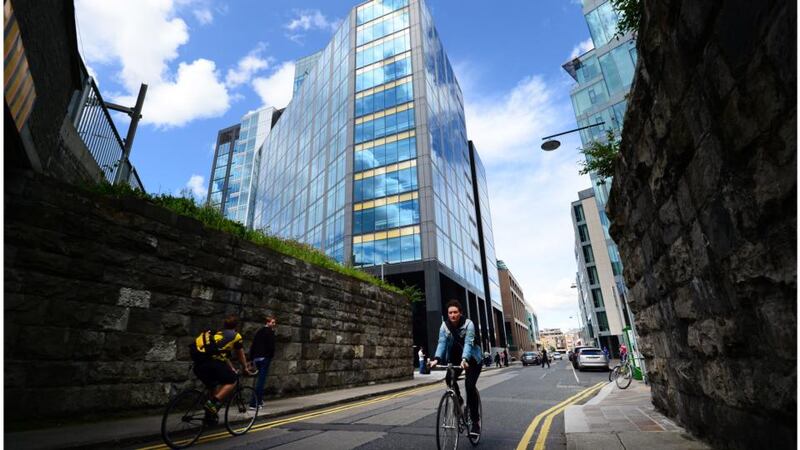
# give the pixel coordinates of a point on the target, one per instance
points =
(515, 310)
(370, 163)
(599, 299)
(604, 75)
(233, 179)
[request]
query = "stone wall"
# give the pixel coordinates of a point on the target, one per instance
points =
(704, 212)
(103, 297)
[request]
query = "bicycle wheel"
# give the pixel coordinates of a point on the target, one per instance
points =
(624, 376)
(447, 422)
(474, 441)
(183, 419)
(613, 373)
(239, 418)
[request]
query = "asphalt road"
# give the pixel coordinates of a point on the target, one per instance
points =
(512, 397)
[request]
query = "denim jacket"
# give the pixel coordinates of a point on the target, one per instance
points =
(446, 339)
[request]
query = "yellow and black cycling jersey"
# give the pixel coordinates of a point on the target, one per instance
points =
(221, 347)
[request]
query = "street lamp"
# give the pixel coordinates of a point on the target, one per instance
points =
(550, 144)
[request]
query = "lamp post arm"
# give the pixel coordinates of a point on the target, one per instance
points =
(576, 129)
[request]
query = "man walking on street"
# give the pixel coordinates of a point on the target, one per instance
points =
(505, 358)
(545, 359)
(497, 359)
(421, 355)
(261, 352)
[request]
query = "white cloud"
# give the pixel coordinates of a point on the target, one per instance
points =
(203, 15)
(311, 20)
(581, 48)
(530, 190)
(142, 39)
(248, 66)
(197, 184)
(276, 89)
(307, 20)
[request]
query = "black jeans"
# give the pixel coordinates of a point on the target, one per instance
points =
(470, 379)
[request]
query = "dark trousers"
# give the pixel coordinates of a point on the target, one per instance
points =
(546, 360)
(261, 380)
(470, 379)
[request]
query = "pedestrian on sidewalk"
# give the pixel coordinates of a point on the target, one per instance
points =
(605, 352)
(487, 359)
(421, 355)
(545, 359)
(262, 350)
(505, 358)
(497, 359)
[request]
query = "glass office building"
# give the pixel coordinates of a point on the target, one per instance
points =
(233, 179)
(603, 76)
(371, 164)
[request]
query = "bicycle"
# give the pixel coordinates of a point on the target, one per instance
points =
(451, 421)
(186, 414)
(622, 374)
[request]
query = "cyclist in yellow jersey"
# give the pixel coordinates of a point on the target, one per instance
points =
(211, 353)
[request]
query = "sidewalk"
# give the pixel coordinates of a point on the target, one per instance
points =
(618, 419)
(109, 434)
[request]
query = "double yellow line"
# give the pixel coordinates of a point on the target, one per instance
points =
(548, 417)
(311, 415)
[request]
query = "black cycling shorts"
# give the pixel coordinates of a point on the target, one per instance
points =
(214, 372)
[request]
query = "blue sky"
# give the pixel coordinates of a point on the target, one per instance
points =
(208, 62)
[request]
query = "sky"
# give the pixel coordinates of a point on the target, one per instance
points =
(209, 62)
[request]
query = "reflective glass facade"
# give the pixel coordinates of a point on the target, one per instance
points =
(370, 160)
(604, 76)
(234, 171)
(303, 162)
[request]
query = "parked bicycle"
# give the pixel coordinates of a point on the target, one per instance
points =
(185, 420)
(622, 374)
(452, 418)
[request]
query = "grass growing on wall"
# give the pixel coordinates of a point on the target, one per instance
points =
(212, 218)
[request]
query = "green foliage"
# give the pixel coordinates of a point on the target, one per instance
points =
(601, 157)
(214, 219)
(630, 15)
(413, 293)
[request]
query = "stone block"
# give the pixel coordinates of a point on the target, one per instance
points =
(133, 298)
(164, 349)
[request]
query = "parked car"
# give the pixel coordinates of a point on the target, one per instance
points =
(558, 356)
(592, 358)
(574, 355)
(530, 358)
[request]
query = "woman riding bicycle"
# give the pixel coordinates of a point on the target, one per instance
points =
(458, 346)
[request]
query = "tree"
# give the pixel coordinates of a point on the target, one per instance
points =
(601, 156)
(630, 15)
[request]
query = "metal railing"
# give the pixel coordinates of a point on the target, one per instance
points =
(97, 130)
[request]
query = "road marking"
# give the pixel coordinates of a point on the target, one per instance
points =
(575, 373)
(310, 415)
(540, 441)
(526, 438)
(543, 375)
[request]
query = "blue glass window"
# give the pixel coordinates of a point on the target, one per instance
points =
(386, 217)
(389, 153)
(377, 8)
(602, 23)
(384, 74)
(384, 126)
(393, 250)
(387, 49)
(618, 68)
(391, 183)
(385, 99)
